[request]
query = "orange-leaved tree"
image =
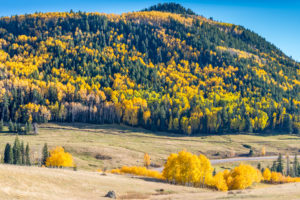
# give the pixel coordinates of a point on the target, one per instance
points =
(59, 158)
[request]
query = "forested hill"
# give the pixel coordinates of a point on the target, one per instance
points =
(155, 68)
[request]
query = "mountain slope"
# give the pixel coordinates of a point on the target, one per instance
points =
(159, 70)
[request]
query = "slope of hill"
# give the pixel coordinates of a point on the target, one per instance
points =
(42, 183)
(159, 70)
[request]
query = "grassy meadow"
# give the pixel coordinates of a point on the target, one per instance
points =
(112, 146)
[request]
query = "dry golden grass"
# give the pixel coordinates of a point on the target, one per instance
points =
(126, 146)
(33, 183)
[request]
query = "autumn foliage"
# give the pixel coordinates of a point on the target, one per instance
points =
(188, 169)
(140, 171)
(147, 160)
(278, 178)
(159, 70)
(59, 158)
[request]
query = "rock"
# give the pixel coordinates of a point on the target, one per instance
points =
(111, 194)
(160, 190)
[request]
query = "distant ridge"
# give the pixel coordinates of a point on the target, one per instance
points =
(171, 7)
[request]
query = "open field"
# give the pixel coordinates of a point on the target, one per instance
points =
(35, 183)
(112, 146)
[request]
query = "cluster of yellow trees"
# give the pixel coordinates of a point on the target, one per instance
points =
(276, 177)
(188, 169)
(240, 177)
(59, 158)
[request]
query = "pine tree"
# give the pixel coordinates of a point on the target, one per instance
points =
(259, 166)
(279, 167)
(19, 128)
(22, 149)
(295, 166)
(11, 126)
(274, 167)
(16, 152)
(45, 154)
(249, 127)
(8, 157)
(27, 161)
(288, 172)
(26, 130)
(15, 127)
(288, 123)
(214, 172)
(1, 125)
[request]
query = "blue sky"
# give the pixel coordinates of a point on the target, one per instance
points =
(276, 20)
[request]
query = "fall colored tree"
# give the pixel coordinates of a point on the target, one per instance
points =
(147, 160)
(59, 158)
(263, 151)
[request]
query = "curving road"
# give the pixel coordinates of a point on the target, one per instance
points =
(237, 159)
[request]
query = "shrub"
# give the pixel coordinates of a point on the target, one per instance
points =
(140, 171)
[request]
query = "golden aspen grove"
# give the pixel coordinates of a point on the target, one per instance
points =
(164, 68)
(188, 169)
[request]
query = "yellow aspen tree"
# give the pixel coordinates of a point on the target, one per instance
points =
(59, 158)
(147, 160)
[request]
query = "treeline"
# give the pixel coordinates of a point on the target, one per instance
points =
(171, 7)
(287, 168)
(159, 70)
(21, 129)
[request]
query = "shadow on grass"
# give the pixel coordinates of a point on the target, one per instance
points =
(121, 128)
(149, 179)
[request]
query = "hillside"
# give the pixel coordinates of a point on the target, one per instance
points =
(155, 68)
(42, 183)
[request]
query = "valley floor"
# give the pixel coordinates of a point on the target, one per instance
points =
(112, 146)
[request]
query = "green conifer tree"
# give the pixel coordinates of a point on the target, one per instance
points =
(11, 126)
(19, 128)
(1, 125)
(45, 154)
(295, 166)
(27, 162)
(22, 149)
(279, 167)
(288, 171)
(16, 152)
(15, 127)
(8, 157)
